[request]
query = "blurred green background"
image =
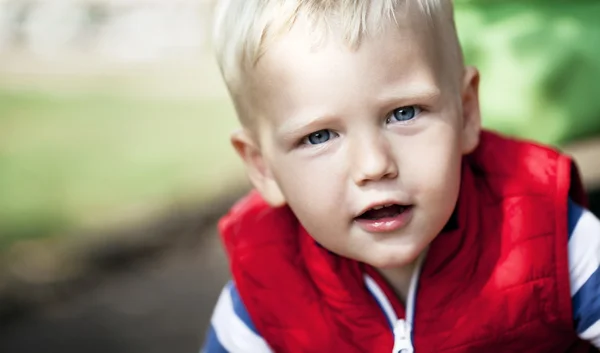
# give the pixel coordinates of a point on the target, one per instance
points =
(540, 65)
(95, 138)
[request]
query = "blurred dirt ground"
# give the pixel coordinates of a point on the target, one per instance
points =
(158, 305)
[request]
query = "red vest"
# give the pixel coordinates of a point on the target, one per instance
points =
(498, 282)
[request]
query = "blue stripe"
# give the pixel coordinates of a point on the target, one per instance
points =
(412, 319)
(240, 309)
(212, 344)
(574, 214)
(586, 303)
(390, 323)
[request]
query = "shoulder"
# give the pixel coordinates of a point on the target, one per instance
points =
(506, 153)
(252, 223)
(584, 268)
(510, 166)
(583, 244)
(232, 329)
(581, 221)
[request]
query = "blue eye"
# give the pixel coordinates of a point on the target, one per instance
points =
(318, 137)
(403, 114)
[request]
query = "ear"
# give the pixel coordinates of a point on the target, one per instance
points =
(471, 119)
(256, 167)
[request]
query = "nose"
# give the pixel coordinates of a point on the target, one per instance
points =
(373, 160)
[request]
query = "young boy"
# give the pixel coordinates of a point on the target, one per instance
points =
(384, 219)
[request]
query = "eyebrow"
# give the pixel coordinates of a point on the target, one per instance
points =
(294, 127)
(403, 96)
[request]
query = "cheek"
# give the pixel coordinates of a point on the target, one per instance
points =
(310, 188)
(434, 171)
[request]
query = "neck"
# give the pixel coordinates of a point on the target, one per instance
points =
(399, 279)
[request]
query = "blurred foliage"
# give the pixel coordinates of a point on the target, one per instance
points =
(70, 161)
(539, 64)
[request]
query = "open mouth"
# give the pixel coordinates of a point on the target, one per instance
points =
(385, 218)
(383, 212)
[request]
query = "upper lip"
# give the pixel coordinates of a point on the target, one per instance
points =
(382, 204)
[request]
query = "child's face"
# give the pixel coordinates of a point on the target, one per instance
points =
(340, 132)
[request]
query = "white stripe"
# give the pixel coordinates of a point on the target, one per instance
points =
(592, 334)
(584, 250)
(412, 288)
(381, 298)
(231, 331)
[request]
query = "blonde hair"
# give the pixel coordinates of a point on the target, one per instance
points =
(243, 29)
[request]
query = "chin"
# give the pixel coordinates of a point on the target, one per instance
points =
(386, 262)
(400, 255)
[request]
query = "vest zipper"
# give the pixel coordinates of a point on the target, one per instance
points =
(403, 327)
(402, 337)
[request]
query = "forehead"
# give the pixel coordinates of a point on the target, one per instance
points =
(300, 72)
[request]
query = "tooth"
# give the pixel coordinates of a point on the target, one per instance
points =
(378, 207)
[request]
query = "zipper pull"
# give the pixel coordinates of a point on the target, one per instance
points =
(402, 337)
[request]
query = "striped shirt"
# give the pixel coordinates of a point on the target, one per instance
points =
(232, 329)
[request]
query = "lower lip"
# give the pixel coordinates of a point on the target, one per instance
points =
(388, 224)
